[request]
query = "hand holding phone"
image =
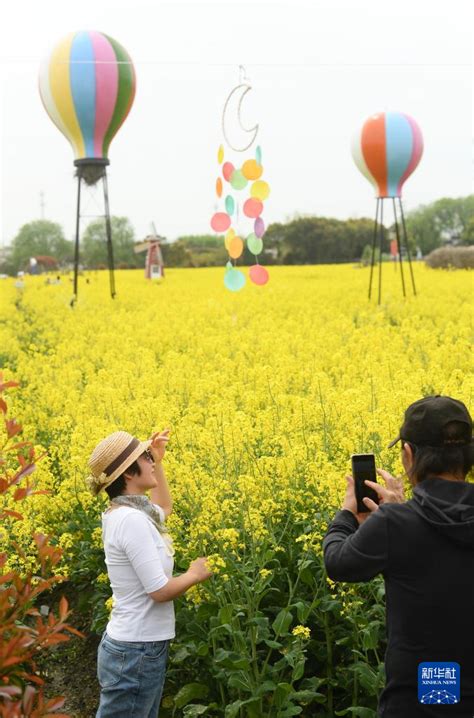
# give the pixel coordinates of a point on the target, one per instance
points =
(363, 468)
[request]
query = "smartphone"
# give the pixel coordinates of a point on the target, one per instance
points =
(363, 467)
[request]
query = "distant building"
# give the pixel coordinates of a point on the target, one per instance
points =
(42, 263)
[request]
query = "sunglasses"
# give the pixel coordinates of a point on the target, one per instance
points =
(148, 456)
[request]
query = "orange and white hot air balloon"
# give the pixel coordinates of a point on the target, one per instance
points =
(387, 149)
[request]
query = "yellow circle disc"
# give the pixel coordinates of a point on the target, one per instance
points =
(228, 238)
(260, 190)
(220, 154)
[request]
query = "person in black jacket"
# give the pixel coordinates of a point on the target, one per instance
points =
(424, 548)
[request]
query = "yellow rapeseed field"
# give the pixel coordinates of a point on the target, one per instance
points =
(267, 392)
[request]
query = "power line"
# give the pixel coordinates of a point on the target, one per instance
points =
(278, 65)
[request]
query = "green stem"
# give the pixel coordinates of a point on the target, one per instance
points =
(329, 664)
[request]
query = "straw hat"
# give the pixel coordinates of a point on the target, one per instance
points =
(111, 457)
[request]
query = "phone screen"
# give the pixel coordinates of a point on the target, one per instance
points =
(363, 467)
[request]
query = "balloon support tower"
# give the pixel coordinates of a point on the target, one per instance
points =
(91, 171)
(402, 242)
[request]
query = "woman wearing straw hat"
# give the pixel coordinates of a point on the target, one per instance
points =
(132, 655)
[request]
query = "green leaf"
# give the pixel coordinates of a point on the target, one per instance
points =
(282, 692)
(301, 611)
(231, 659)
(202, 649)
(193, 710)
(266, 687)
(313, 683)
(180, 655)
(225, 614)
(233, 709)
(307, 576)
(223, 627)
(368, 679)
(298, 670)
(358, 711)
(290, 711)
(273, 644)
(240, 681)
(189, 692)
(282, 622)
(330, 604)
(307, 696)
(370, 635)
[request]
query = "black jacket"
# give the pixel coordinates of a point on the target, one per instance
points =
(425, 551)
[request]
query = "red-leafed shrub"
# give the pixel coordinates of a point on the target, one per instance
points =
(23, 629)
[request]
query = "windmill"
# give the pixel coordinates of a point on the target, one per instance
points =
(154, 265)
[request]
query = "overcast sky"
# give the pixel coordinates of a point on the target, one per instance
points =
(317, 68)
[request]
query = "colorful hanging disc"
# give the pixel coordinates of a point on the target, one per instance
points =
(252, 170)
(228, 238)
(220, 222)
(258, 274)
(227, 169)
(259, 227)
(229, 204)
(236, 247)
(254, 244)
(260, 190)
(237, 180)
(253, 208)
(234, 279)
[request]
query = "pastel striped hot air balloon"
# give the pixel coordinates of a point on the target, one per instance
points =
(387, 150)
(87, 85)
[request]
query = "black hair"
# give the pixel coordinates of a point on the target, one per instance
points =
(452, 458)
(117, 487)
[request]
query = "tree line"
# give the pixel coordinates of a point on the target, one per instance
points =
(302, 240)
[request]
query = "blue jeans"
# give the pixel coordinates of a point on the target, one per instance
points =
(131, 676)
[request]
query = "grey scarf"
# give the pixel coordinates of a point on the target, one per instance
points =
(142, 503)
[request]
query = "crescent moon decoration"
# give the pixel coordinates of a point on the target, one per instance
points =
(387, 149)
(241, 192)
(247, 142)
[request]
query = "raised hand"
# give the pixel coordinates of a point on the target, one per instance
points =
(159, 439)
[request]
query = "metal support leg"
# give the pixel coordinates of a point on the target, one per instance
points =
(397, 231)
(373, 247)
(76, 246)
(108, 228)
(380, 250)
(405, 237)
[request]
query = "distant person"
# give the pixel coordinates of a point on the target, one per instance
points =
(133, 652)
(424, 548)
